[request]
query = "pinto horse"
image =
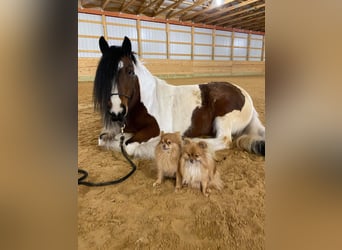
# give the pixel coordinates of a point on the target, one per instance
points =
(131, 99)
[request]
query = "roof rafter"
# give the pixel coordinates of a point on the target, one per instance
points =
(244, 22)
(199, 2)
(197, 13)
(242, 17)
(125, 6)
(174, 5)
(255, 26)
(143, 8)
(157, 7)
(224, 10)
(187, 12)
(104, 5)
(243, 12)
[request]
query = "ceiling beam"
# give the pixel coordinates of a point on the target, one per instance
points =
(226, 20)
(245, 22)
(125, 6)
(199, 2)
(143, 8)
(224, 17)
(104, 5)
(157, 7)
(174, 5)
(197, 13)
(260, 26)
(224, 10)
(260, 22)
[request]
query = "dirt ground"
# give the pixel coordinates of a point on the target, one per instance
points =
(135, 215)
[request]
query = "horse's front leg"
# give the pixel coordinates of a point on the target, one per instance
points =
(108, 134)
(140, 144)
(143, 135)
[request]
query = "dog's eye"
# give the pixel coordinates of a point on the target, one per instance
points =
(196, 155)
(168, 142)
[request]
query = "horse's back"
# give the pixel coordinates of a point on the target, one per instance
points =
(222, 97)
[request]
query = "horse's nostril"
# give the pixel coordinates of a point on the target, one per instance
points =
(113, 116)
(124, 110)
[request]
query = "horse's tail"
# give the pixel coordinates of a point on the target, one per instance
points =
(252, 138)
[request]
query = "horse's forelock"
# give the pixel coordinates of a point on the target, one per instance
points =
(104, 78)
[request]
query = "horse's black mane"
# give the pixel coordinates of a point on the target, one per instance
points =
(104, 79)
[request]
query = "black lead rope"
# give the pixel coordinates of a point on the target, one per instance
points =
(99, 184)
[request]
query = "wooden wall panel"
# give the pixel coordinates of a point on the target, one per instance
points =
(181, 68)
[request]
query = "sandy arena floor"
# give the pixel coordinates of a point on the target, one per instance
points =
(135, 215)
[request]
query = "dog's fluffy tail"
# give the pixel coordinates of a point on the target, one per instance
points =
(252, 138)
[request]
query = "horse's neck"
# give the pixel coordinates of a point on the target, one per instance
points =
(148, 86)
(157, 96)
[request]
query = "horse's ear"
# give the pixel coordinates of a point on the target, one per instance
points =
(103, 44)
(126, 46)
(202, 144)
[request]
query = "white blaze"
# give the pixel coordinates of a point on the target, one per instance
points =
(115, 99)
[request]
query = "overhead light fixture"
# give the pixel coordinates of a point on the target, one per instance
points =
(216, 3)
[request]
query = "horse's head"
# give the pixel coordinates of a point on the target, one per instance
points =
(116, 87)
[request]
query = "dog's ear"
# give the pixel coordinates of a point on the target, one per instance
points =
(186, 141)
(202, 144)
(161, 133)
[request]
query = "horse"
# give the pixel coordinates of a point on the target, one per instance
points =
(134, 102)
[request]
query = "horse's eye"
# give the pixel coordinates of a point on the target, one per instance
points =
(131, 73)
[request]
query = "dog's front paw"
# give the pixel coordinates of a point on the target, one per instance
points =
(206, 193)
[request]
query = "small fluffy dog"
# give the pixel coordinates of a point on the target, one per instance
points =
(197, 167)
(167, 154)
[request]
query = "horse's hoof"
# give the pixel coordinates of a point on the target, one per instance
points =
(105, 137)
(156, 184)
(259, 147)
(100, 142)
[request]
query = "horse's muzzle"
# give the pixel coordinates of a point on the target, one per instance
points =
(120, 116)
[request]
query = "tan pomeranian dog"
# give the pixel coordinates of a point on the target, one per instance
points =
(197, 167)
(167, 154)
